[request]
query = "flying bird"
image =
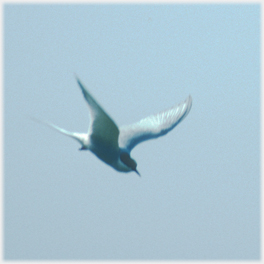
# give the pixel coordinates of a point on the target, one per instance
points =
(112, 144)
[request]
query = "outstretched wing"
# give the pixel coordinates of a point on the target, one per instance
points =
(153, 126)
(102, 128)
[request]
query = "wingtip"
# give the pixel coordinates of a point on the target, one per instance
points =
(76, 77)
(79, 82)
(189, 100)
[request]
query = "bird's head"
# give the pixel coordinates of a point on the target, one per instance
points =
(129, 162)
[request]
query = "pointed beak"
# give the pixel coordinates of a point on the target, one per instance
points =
(137, 172)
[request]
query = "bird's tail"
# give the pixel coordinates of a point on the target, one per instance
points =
(80, 137)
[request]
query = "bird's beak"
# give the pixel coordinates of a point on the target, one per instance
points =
(137, 172)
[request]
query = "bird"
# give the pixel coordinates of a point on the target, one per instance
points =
(112, 144)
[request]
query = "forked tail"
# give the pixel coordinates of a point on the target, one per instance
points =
(80, 137)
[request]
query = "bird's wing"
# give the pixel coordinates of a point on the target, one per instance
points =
(102, 128)
(153, 126)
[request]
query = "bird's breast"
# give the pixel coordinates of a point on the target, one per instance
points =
(104, 151)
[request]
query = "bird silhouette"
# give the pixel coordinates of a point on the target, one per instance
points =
(112, 144)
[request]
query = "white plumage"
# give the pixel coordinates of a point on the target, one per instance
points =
(113, 145)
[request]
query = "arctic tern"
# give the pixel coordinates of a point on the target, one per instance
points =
(112, 144)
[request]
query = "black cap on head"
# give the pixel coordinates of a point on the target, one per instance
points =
(126, 159)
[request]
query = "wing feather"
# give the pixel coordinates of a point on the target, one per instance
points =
(102, 128)
(153, 126)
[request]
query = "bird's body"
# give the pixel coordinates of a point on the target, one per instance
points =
(113, 145)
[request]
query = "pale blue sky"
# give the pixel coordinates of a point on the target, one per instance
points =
(199, 194)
